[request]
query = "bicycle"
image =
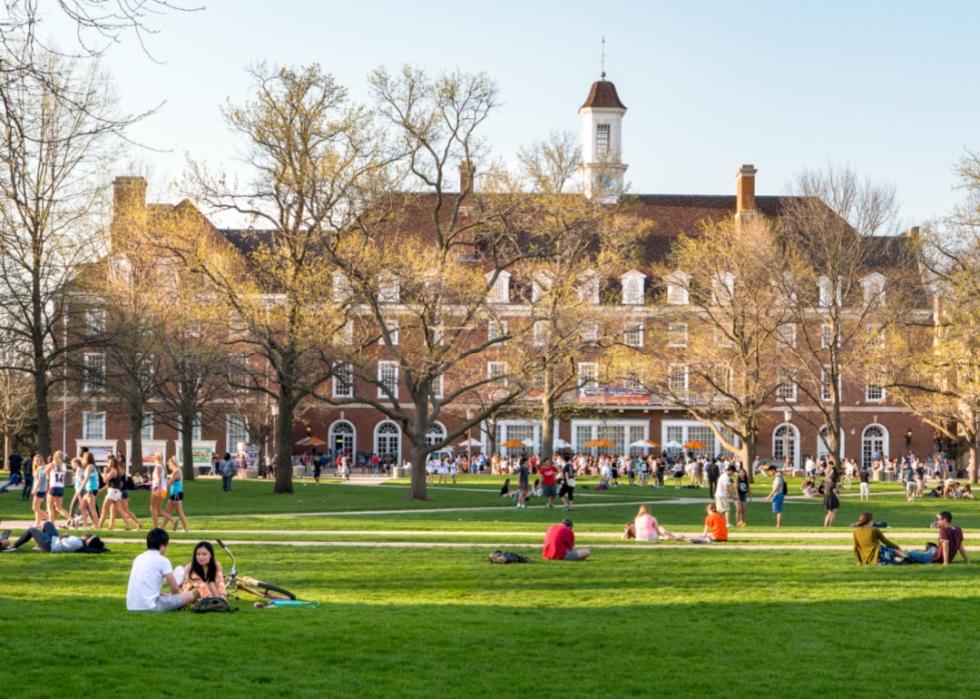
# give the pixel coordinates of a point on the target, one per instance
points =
(845, 481)
(235, 583)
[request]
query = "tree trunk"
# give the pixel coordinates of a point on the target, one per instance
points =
(419, 451)
(187, 445)
(547, 428)
(43, 416)
(135, 456)
(284, 445)
(971, 467)
(6, 443)
(746, 455)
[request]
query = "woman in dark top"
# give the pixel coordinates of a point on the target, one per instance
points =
(831, 503)
(742, 489)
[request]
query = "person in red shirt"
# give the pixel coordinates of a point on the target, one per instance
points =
(549, 481)
(715, 526)
(559, 543)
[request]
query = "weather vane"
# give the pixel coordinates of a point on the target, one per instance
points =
(603, 73)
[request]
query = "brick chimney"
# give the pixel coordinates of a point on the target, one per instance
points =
(745, 189)
(466, 174)
(128, 205)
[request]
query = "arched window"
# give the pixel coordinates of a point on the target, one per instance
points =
(874, 444)
(388, 440)
(435, 434)
(342, 438)
(785, 444)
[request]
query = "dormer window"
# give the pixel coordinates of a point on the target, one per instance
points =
(633, 288)
(500, 291)
(588, 291)
(602, 140)
(677, 289)
(874, 288)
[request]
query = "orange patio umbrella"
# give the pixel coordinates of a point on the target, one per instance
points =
(653, 443)
(513, 444)
(694, 444)
(599, 443)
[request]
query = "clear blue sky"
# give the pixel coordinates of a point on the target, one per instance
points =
(890, 88)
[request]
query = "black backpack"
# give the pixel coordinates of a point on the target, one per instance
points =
(785, 487)
(212, 604)
(505, 557)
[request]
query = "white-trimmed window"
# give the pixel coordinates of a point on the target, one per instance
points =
(500, 291)
(588, 290)
(388, 378)
(438, 386)
(497, 370)
(787, 334)
(343, 380)
(825, 383)
(94, 322)
(146, 430)
(633, 334)
(238, 377)
(826, 335)
(602, 140)
(677, 289)
(389, 290)
(236, 433)
(873, 286)
(677, 334)
(633, 283)
(874, 392)
(589, 333)
(786, 389)
(677, 379)
(93, 424)
(94, 372)
(146, 369)
(392, 325)
(539, 333)
(496, 329)
(341, 287)
(588, 375)
(723, 288)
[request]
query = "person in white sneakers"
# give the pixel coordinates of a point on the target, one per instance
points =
(150, 571)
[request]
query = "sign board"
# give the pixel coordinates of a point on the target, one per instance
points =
(150, 448)
(252, 455)
(101, 449)
(202, 452)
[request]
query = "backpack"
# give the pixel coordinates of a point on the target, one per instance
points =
(505, 557)
(785, 487)
(212, 604)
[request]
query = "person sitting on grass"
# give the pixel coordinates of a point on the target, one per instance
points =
(150, 571)
(204, 573)
(967, 493)
(871, 547)
(809, 488)
(646, 528)
(48, 539)
(949, 543)
(715, 527)
(559, 543)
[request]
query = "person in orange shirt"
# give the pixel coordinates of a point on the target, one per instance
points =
(715, 526)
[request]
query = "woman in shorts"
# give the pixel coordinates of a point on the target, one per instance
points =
(123, 504)
(831, 503)
(115, 482)
(678, 473)
(89, 491)
(175, 482)
(742, 490)
(40, 490)
(158, 488)
(57, 473)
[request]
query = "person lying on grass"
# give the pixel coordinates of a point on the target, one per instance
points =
(646, 528)
(150, 571)
(204, 573)
(48, 539)
(949, 543)
(715, 527)
(871, 547)
(559, 543)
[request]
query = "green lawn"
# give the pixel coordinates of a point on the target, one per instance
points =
(421, 622)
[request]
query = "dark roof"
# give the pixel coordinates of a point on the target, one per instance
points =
(248, 239)
(603, 95)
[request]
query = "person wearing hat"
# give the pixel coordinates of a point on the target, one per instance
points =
(559, 543)
(870, 545)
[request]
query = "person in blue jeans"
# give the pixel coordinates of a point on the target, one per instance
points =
(227, 468)
(14, 462)
(48, 540)
(949, 543)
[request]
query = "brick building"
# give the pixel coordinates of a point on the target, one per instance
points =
(871, 424)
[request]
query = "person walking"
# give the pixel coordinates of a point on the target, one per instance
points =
(226, 467)
(723, 493)
(523, 478)
(742, 491)
(15, 463)
(57, 473)
(158, 488)
(777, 494)
(831, 503)
(39, 492)
(864, 476)
(567, 491)
(713, 471)
(28, 492)
(176, 486)
(549, 481)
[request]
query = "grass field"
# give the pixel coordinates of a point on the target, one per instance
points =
(424, 621)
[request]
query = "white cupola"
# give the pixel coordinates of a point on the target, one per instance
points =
(602, 165)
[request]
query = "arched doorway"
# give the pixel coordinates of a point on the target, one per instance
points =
(874, 444)
(435, 434)
(786, 444)
(342, 438)
(388, 441)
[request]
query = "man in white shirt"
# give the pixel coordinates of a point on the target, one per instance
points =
(723, 493)
(150, 570)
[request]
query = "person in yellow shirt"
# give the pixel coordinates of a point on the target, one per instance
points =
(868, 542)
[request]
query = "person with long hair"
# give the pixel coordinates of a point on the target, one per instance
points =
(158, 488)
(204, 573)
(78, 485)
(40, 490)
(175, 482)
(646, 528)
(123, 504)
(871, 547)
(90, 490)
(831, 503)
(57, 473)
(742, 492)
(115, 482)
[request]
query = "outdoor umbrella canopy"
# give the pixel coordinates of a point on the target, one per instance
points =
(694, 444)
(599, 443)
(470, 443)
(513, 444)
(672, 445)
(653, 442)
(562, 444)
(643, 443)
(311, 441)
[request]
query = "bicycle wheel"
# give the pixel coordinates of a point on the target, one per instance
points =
(263, 589)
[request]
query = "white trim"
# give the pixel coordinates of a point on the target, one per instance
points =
(330, 436)
(886, 440)
(374, 444)
(795, 459)
(397, 388)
